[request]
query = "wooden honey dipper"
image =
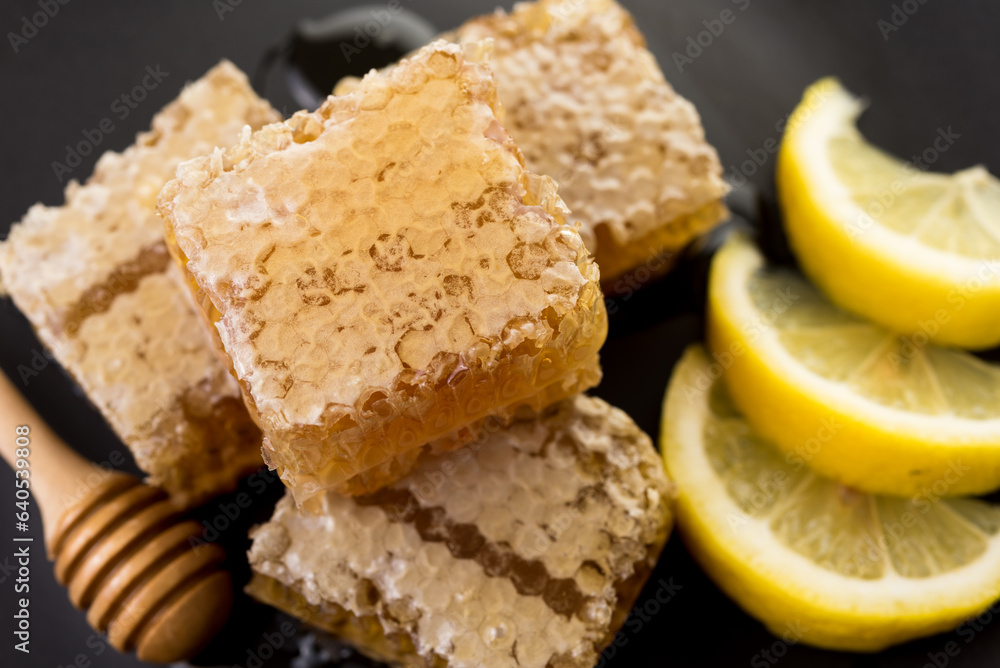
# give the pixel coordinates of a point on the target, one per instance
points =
(122, 549)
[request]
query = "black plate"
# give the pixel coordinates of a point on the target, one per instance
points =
(926, 65)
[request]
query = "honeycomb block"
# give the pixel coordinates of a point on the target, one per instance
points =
(95, 279)
(588, 105)
(385, 273)
(527, 548)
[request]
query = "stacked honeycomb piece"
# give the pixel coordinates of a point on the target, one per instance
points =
(527, 549)
(95, 279)
(384, 273)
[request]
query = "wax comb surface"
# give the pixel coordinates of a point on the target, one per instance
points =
(384, 272)
(527, 549)
(94, 277)
(588, 105)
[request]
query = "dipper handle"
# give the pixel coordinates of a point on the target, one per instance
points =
(53, 469)
(141, 572)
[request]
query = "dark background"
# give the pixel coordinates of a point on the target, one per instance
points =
(938, 70)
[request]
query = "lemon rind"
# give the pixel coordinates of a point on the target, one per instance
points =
(876, 448)
(785, 589)
(863, 268)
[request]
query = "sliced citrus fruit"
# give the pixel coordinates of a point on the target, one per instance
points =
(912, 250)
(877, 411)
(839, 568)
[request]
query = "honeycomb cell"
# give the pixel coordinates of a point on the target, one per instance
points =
(472, 597)
(588, 105)
(95, 279)
(389, 279)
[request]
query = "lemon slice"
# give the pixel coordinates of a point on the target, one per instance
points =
(873, 410)
(912, 250)
(834, 567)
